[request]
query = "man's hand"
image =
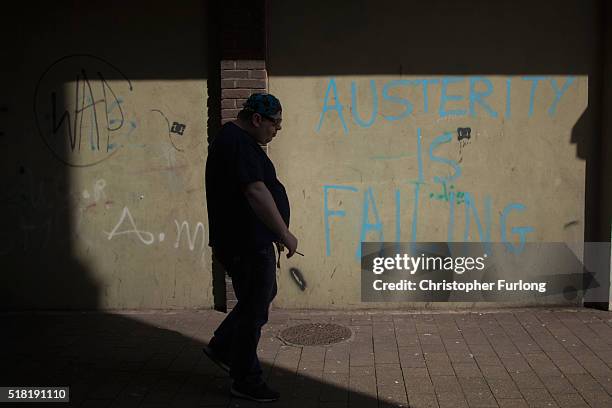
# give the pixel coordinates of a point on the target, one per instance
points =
(290, 242)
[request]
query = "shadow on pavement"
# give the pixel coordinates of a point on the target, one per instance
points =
(122, 360)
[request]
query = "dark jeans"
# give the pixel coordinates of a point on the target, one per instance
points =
(254, 280)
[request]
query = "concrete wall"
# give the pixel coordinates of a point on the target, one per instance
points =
(103, 203)
(373, 99)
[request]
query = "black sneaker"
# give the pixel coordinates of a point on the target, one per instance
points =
(216, 358)
(259, 393)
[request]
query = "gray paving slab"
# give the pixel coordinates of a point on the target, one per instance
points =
(493, 358)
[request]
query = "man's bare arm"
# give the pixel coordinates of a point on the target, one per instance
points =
(261, 201)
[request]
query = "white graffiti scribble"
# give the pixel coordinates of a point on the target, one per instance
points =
(183, 229)
(191, 241)
(98, 191)
(145, 237)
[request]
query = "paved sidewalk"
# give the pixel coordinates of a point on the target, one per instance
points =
(505, 358)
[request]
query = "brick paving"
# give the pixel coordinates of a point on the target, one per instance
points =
(498, 358)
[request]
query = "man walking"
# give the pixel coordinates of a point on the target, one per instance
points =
(248, 211)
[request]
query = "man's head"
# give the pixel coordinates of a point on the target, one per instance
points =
(261, 116)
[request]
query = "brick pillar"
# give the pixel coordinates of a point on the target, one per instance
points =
(243, 50)
(242, 35)
(240, 79)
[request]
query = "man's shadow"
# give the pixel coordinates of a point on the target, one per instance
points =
(146, 359)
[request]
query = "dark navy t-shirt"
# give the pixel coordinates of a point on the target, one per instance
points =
(235, 160)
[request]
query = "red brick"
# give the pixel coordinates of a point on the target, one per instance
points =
(229, 113)
(236, 74)
(228, 64)
(228, 104)
(250, 64)
(235, 93)
(251, 83)
(228, 83)
(257, 73)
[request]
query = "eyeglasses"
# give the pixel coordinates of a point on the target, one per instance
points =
(277, 122)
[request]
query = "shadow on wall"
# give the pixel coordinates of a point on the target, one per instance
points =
(445, 37)
(102, 357)
(438, 37)
(43, 142)
(146, 40)
(41, 139)
(467, 38)
(70, 67)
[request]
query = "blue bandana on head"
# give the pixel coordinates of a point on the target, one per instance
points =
(264, 104)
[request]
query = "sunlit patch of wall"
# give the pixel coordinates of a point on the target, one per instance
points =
(425, 158)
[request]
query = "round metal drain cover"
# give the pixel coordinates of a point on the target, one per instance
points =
(315, 334)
